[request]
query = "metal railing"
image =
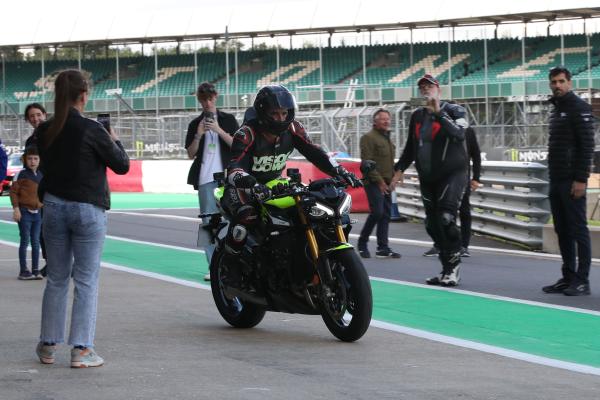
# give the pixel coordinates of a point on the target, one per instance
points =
(512, 203)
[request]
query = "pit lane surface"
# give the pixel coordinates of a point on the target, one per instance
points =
(164, 339)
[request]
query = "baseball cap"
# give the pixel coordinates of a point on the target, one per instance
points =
(429, 78)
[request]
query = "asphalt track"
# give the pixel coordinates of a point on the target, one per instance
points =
(497, 336)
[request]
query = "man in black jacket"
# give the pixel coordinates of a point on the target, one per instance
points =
(436, 143)
(570, 154)
(464, 212)
(208, 142)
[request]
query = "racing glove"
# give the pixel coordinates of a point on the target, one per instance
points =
(261, 192)
(348, 177)
(243, 181)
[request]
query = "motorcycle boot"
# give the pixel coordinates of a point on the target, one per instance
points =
(435, 280)
(451, 273)
(236, 239)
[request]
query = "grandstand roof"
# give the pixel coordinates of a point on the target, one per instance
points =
(115, 23)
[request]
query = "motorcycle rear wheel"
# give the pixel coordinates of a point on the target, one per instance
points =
(238, 313)
(347, 311)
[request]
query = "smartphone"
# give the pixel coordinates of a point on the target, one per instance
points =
(104, 119)
(418, 102)
(209, 116)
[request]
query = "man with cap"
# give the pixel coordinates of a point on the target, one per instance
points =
(208, 142)
(436, 143)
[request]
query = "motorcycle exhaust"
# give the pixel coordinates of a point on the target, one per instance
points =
(232, 292)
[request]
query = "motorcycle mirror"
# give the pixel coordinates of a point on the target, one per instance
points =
(294, 174)
(367, 166)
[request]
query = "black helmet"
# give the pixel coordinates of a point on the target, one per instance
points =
(270, 98)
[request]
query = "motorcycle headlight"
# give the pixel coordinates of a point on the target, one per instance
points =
(346, 205)
(320, 211)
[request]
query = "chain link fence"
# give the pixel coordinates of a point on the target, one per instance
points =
(504, 132)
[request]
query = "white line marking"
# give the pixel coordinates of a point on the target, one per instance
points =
(490, 296)
(400, 282)
(163, 216)
(517, 355)
(524, 253)
(154, 275)
(550, 362)
(152, 209)
(166, 246)
(586, 369)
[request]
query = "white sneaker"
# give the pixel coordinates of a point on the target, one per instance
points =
(83, 358)
(452, 278)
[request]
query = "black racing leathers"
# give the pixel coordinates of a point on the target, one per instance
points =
(254, 153)
(263, 156)
(436, 143)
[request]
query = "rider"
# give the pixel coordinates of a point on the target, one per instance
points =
(258, 155)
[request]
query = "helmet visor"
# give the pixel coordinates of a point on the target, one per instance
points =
(283, 99)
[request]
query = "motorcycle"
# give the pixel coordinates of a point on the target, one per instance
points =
(297, 260)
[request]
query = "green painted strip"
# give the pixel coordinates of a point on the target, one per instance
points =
(172, 262)
(559, 334)
(125, 201)
(553, 333)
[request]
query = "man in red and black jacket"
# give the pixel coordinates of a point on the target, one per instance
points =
(436, 143)
(259, 153)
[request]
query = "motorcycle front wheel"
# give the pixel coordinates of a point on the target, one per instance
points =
(238, 313)
(347, 302)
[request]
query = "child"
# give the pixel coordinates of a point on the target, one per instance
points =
(26, 211)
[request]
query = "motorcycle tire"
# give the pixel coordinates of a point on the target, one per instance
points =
(347, 314)
(236, 312)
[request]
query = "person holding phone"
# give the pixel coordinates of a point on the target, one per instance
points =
(208, 142)
(436, 143)
(75, 152)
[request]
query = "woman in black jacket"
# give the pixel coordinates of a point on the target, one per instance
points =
(74, 152)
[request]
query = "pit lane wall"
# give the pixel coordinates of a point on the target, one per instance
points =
(170, 176)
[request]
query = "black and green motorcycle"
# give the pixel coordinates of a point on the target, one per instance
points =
(297, 260)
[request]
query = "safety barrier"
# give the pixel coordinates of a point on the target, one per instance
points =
(170, 176)
(512, 203)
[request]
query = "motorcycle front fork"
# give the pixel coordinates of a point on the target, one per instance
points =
(322, 268)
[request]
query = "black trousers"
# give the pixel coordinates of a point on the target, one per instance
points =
(464, 213)
(570, 225)
(380, 207)
(441, 199)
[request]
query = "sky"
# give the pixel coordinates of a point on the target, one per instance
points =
(42, 21)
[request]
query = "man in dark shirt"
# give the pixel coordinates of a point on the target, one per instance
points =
(570, 154)
(436, 143)
(208, 142)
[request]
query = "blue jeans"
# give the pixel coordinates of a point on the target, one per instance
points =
(208, 204)
(29, 228)
(380, 207)
(74, 234)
